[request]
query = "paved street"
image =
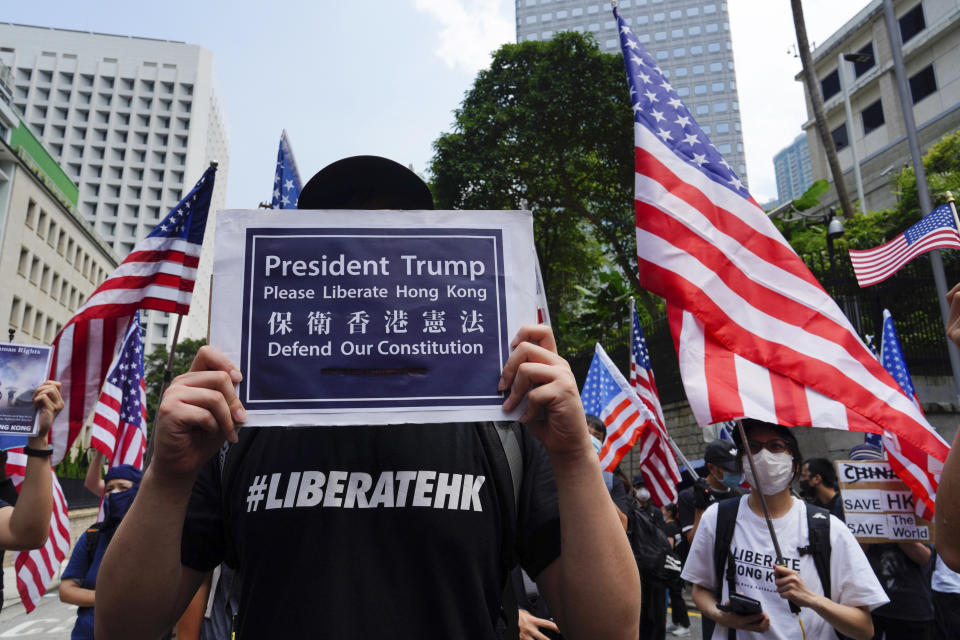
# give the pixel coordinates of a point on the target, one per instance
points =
(51, 619)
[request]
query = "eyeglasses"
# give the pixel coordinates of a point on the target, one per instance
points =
(775, 445)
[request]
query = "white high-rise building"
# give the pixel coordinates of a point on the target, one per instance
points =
(690, 40)
(134, 122)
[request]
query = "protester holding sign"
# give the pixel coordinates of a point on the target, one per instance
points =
(27, 525)
(746, 565)
(405, 530)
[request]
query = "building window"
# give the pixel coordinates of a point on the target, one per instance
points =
(716, 67)
(717, 86)
(839, 135)
(15, 311)
(693, 11)
(702, 109)
(719, 107)
(912, 23)
(723, 148)
(24, 261)
(700, 89)
(860, 68)
(680, 71)
(694, 31)
(830, 85)
(872, 117)
(922, 84)
(723, 127)
(662, 55)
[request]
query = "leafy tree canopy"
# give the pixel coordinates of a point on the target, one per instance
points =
(548, 127)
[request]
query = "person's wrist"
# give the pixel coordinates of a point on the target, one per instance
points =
(38, 442)
(574, 457)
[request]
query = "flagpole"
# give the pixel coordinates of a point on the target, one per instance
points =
(953, 210)
(167, 378)
(662, 428)
(755, 483)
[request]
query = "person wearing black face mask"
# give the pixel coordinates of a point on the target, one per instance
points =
(818, 484)
(78, 582)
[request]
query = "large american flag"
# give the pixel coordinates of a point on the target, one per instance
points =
(607, 395)
(936, 230)
(657, 464)
(36, 568)
(158, 274)
(120, 417)
(757, 335)
(901, 461)
(286, 179)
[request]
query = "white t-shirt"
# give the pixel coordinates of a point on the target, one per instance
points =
(852, 580)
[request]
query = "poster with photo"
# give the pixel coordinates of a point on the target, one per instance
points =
(23, 367)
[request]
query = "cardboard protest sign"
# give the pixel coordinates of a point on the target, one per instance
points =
(878, 506)
(23, 367)
(371, 317)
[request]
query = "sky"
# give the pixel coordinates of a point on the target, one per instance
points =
(385, 76)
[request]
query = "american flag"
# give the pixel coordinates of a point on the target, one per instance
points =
(286, 181)
(158, 274)
(902, 461)
(657, 464)
(607, 395)
(36, 568)
(120, 417)
(756, 334)
(936, 230)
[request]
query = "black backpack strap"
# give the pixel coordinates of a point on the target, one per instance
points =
(502, 442)
(818, 544)
(722, 560)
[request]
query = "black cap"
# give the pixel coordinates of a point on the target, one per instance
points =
(365, 182)
(638, 480)
(721, 453)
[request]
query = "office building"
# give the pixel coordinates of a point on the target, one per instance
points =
(690, 39)
(134, 122)
(931, 53)
(50, 258)
(793, 171)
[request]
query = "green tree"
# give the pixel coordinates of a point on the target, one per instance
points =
(155, 365)
(864, 231)
(548, 128)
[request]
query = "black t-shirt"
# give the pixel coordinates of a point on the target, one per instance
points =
(407, 543)
(835, 506)
(686, 510)
(907, 584)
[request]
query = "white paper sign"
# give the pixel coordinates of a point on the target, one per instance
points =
(371, 317)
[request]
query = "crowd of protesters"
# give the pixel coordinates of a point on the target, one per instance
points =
(543, 543)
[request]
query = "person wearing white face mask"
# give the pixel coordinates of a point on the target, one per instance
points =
(835, 597)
